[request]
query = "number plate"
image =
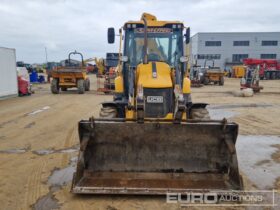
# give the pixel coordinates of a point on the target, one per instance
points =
(155, 99)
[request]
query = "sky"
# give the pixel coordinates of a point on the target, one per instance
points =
(62, 26)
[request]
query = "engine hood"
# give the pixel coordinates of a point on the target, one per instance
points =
(154, 75)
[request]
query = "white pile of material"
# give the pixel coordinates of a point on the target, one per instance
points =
(22, 72)
(248, 92)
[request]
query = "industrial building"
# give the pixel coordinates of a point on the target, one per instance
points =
(229, 48)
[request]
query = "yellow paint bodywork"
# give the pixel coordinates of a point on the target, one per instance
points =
(186, 85)
(164, 78)
(152, 21)
(68, 78)
(144, 78)
(144, 75)
(129, 114)
(119, 84)
(238, 71)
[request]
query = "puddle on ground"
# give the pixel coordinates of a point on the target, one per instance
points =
(217, 114)
(61, 177)
(255, 161)
(47, 202)
(58, 179)
(233, 106)
(51, 151)
(14, 151)
(68, 150)
(43, 152)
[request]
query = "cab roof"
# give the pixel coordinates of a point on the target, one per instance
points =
(152, 21)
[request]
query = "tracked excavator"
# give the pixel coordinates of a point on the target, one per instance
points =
(151, 138)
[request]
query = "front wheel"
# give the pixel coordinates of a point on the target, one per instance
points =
(87, 85)
(81, 86)
(200, 114)
(108, 112)
(54, 86)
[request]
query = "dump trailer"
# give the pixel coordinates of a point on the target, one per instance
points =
(69, 76)
(151, 138)
(213, 74)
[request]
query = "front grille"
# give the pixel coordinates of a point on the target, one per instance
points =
(158, 108)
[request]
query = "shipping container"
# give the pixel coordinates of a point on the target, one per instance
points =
(8, 73)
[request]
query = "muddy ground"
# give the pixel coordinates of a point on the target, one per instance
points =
(38, 145)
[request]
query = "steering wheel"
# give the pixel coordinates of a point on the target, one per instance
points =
(153, 57)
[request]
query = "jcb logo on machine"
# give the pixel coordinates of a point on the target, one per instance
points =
(155, 99)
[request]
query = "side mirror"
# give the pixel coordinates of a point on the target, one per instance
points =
(184, 59)
(111, 35)
(187, 35)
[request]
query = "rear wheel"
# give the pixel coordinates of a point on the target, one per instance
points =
(81, 86)
(206, 81)
(200, 114)
(273, 75)
(54, 86)
(267, 75)
(108, 112)
(222, 81)
(87, 85)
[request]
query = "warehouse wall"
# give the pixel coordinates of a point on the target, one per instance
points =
(227, 50)
(8, 73)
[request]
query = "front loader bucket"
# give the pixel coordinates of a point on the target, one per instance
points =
(118, 157)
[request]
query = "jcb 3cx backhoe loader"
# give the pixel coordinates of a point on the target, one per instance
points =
(151, 139)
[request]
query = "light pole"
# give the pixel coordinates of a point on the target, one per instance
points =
(46, 52)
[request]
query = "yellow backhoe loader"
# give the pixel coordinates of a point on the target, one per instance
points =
(151, 139)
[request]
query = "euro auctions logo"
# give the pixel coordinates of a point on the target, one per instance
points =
(224, 198)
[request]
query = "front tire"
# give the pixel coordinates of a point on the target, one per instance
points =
(87, 85)
(55, 86)
(222, 81)
(81, 86)
(108, 112)
(200, 114)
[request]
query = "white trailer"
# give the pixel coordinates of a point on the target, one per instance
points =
(8, 73)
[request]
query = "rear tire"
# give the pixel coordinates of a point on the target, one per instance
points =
(108, 112)
(87, 85)
(273, 75)
(206, 81)
(54, 86)
(222, 81)
(81, 86)
(200, 114)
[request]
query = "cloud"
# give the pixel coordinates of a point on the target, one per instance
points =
(66, 25)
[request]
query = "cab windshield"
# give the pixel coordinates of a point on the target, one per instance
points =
(164, 44)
